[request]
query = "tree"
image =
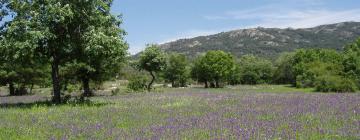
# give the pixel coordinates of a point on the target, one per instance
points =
(176, 70)
(20, 65)
(255, 70)
(214, 67)
(199, 73)
(63, 32)
(352, 61)
(234, 77)
(98, 39)
(304, 62)
(283, 72)
(42, 26)
(153, 60)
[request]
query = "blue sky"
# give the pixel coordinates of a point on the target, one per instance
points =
(160, 21)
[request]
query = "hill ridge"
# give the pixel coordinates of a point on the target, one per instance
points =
(268, 42)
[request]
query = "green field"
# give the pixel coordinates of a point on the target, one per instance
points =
(240, 112)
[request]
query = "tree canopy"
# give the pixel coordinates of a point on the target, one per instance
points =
(153, 60)
(176, 70)
(62, 32)
(214, 67)
(254, 70)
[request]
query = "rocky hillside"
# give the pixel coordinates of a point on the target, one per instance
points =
(269, 42)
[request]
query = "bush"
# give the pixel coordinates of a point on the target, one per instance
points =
(316, 69)
(137, 83)
(330, 83)
(304, 81)
(250, 78)
(255, 70)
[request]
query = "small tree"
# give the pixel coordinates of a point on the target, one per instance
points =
(283, 73)
(199, 73)
(255, 70)
(176, 70)
(153, 60)
(214, 67)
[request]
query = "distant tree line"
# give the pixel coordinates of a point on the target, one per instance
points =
(323, 69)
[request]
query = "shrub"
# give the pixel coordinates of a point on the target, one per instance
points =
(307, 65)
(250, 78)
(316, 69)
(137, 83)
(304, 81)
(331, 83)
(176, 70)
(255, 70)
(214, 67)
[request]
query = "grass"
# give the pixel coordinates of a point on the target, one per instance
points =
(247, 89)
(239, 112)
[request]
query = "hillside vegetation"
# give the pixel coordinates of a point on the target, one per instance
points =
(269, 42)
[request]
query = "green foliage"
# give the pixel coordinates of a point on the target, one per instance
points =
(316, 69)
(306, 65)
(352, 61)
(137, 83)
(234, 77)
(255, 70)
(100, 47)
(40, 30)
(176, 70)
(334, 83)
(214, 67)
(283, 73)
(80, 34)
(19, 68)
(152, 59)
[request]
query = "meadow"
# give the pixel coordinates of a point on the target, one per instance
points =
(239, 112)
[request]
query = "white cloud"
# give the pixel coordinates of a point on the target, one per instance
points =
(282, 16)
(308, 18)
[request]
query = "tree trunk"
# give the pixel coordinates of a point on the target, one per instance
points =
(212, 85)
(183, 84)
(31, 88)
(206, 84)
(152, 81)
(172, 83)
(56, 82)
(217, 84)
(11, 89)
(86, 87)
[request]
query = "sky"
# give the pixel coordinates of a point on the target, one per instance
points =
(161, 21)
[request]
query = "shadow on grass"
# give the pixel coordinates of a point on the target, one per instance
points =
(47, 103)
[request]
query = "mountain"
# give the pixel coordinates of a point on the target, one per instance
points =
(268, 42)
